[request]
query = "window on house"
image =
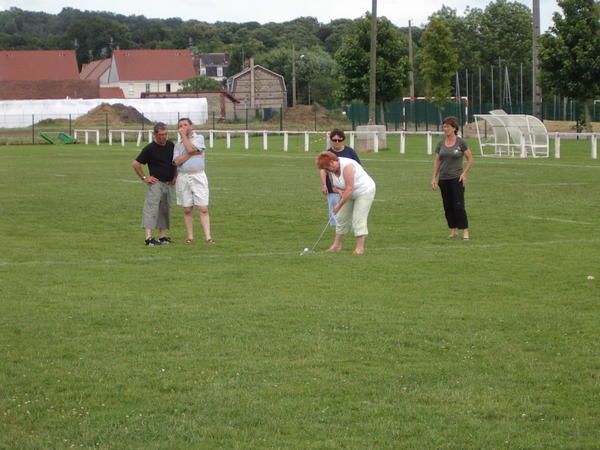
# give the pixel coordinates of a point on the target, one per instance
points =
(147, 87)
(219, 71)
(168, 87)
(211, 71)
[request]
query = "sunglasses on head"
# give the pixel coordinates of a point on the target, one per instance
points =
(337, 140)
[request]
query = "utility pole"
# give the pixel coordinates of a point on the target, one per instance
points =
(293, 75)
(537, 92)
(411, 73)
(373, 64)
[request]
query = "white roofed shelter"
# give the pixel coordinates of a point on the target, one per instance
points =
(511, 135)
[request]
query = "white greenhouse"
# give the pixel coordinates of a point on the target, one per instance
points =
(19, 113)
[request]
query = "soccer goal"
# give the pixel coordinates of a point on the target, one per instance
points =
(502, 134)
(420, 109)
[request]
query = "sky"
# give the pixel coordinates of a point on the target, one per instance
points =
(399, 12)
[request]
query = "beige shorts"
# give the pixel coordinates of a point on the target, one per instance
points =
(192, 189)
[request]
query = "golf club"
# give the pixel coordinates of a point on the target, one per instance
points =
(307, 250)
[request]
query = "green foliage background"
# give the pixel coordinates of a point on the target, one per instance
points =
(489, 42)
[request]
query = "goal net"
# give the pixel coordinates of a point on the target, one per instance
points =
(418, 110)
(502, 134)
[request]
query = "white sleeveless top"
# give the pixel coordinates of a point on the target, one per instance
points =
(362, 181)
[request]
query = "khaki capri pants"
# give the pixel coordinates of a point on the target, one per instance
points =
(354, 214)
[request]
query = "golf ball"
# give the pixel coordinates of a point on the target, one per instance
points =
(590, 277)
(306, 249)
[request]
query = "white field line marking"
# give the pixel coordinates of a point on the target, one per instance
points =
(306, 156)
(556, 219)
(137, 182)
(157, 257)
(518, 163)
(555, 184)
(541, 164)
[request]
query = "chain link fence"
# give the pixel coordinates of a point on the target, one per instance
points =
(409, 115)
(421, 115)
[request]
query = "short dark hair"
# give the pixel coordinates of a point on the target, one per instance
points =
(184, 118)
(452, 121)
(158, 126)
(337, 132)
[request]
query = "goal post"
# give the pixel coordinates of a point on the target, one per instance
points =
(410, 106)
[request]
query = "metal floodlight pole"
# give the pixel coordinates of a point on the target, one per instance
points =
(537, 92)
(373, 64)
(411, 73)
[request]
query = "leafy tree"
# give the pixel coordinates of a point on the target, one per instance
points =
(440, 61)
(484, 38)
(267, 35)
(570, 53)
(353, 61)
(200, 83)
(466, 32)
(331, 35)
(506, 39)
(302, 32)
(201, 35)
(505, 32)
(323, 90)
(311, 65)
(236, 60)
(99, 36)
(151, 32)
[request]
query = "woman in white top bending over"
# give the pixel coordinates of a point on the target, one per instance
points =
(357, 192)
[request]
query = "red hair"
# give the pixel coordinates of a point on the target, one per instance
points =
(324, 159)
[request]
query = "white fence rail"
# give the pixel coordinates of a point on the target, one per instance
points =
(266, 134)
(323, 143)
(593, 142)
(87, 134)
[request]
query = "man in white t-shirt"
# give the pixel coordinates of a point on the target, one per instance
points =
(192, 185)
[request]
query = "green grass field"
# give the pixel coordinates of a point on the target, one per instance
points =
(421, 343)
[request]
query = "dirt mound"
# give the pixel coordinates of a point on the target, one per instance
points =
(114, 114)
(304, 117)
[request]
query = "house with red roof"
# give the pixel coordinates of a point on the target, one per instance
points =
(99, 70)
(42, 74)
(38, 65)
(96, 70)
(138, 71)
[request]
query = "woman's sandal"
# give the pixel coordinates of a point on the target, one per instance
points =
(189, 241)
(210, 241)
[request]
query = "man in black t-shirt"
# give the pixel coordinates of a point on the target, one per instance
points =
(158, 155)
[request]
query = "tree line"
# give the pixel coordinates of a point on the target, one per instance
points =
(488, 51)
